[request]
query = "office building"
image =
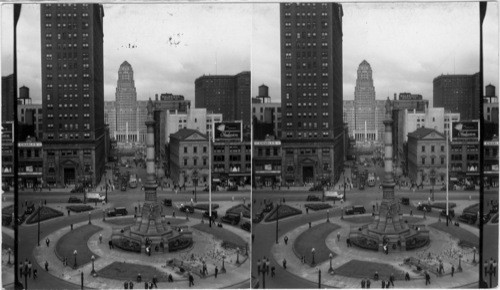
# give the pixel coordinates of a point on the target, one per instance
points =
(266, 162)
(72, 93)
(490, 105)
(458, 94)
(225, 94)
(8, 98)
(126, 129)
(31, 115)
(264, 113)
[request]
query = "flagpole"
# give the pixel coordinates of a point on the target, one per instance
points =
(210, 173)
(447, 172)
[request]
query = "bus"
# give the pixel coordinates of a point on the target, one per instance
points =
(132, 183)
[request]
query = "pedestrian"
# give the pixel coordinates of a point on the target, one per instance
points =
(146, 285)
(407, 276)
(284, 264)
(110, 244)
(139, 278)
(29, 269)
(338, 237)
(46, 266)
(286, 240)
(171, 279)
(452, 270)
(100, 238)
(191, 280)
(272, 272)
(375, 277)
(494, 267)
(383, 284)
(68, 212)
(267, 266)
(21, 270)
(485, 266)
(155, 280)
(363, 283)
(131, 285)
(391, 279)
(368, 283)
(47, 241)
(491, 264)
(35, 274)
(258, 266)
(427, 278)
(125, 285)
(216, 271)
(307, 210)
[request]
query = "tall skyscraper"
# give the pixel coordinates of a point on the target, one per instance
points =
(126, 105)
(364, 100)
(72, 93)
(458, 94)
(311, 91)
(225, 94)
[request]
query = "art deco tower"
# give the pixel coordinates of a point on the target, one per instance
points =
(364, 103)
(126, 105)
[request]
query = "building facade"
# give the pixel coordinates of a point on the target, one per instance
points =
(266, 162)
(490, 105)
(189, 162)
(8, 98)
(427, 156)
(31, 115)
(126, 129)
(195, 119)
(231, 162)
(226, 95)
(458, 94)
(72, 93)
(432, 118)
(269, 113)
(311, 92)
(464, 152)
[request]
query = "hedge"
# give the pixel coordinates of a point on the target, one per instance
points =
(46, 213)
(284, 211)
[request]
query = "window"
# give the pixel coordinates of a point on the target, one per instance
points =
(195, 162)
(442, 160)
(195, 150)
(185, 162)
(432, 148)
(423, 148)
(442, 148)
(423, 160)
(185, 150)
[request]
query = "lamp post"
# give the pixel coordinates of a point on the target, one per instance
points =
(93, 273)
(103, 215)
(81, 279)
(237, 255)
(433, 181)
(277, 219)
(490, 272)
(263, 271)
(331, 268)
(223, 269)
(327, 215)
(319, 278)
(106, 192)
(474, 250)
(24, 271)
(344, 189)
(459, 269)
(312, 253)
(89, 219)
(194, 177)
(75, 252)
(9, 251)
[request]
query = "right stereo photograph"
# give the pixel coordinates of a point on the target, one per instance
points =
(375, 145)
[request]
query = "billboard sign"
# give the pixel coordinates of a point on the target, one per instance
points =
(465, 131)
(228, 131)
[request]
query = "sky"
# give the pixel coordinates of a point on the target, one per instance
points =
(406, 44)
(168, 46)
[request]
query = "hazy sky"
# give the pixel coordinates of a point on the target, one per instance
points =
(170, 45)
(406, 44)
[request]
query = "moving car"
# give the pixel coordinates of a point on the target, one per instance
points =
(117, 211)
(94, 197)
(451, 212)
(167, 202)
(405, 201)
(331, 195)
(187, 208)
(424, 207)
(231, 218)
(313, 198)
(468, 217)
(246, 226)
(355, 209)
(74, 199)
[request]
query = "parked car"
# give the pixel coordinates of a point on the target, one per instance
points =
(186, 208)
(468, 217)
(117, 211)
(214, 214)
(312, 197)
(451, 212)
(167, 202)
(424, 207)
(74, 199)
(231, 218)
(405, 201)
(94, 197)
(356, 209)
(246, 226)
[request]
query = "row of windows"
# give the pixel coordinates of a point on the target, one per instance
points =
(289, 134)
(29, 153)
(67, 116)
(305, 15)
(195, 149)
(63, 65)
(423, 160)
(195, 161)
(66, 15)
(432, 148)
(66, 136)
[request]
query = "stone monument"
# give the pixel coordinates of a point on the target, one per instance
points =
(388, 228)
(150, 228)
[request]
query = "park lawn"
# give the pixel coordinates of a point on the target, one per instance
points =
(130, 221)
(366, 269)
(472, 208)
(458, 232)
(76, 240)
(284, 211)
(314, 238)
(368, 219)
(126, 272)
(238, 209)
(222, 234)
(46, 213)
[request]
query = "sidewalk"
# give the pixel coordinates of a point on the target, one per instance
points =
(441, 244)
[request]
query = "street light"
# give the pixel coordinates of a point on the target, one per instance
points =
(194, 177)
(474, 251)
(331, 269)
(75, 252)
(319, 278)
(103, 215)
(39, 210)
(89, 219)
(263, 270)
(312, 252)
(490, 272)
(277, 219)
(223, 269)
(327, 215)
(93, 273)
(459, 269)
(237, 255)
(9, 251)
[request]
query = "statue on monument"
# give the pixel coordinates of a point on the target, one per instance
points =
(388, 107)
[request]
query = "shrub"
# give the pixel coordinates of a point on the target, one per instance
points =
(317, 187)
(416, 242)
(442, 205)
(46, 213)
(284, 211)
(317, 206)
(237, 209)
(204, 206)
(472, 208)
(80, 208)
(127, 245)
(179, 244)
(365, 243)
